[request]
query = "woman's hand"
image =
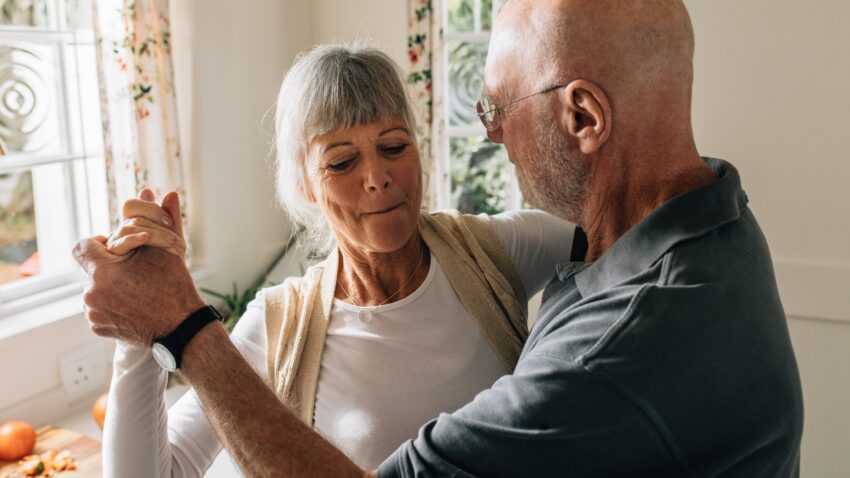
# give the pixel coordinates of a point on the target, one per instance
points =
(147, 224)
(137, 297)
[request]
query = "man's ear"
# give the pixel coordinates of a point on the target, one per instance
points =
(587, 115)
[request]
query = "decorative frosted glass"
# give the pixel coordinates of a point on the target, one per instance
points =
(29, 117)
(78, 14)
(461, 16)
(26, 13)
(466, 80)
(486, 15)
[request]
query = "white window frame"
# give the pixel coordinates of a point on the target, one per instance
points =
(443, 193)
(75, 184)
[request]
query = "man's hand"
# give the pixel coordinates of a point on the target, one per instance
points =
(140, 296)
(144, 294)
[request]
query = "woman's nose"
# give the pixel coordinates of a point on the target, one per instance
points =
(378, 178)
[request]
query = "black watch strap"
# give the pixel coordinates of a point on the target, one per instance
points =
(177, 340)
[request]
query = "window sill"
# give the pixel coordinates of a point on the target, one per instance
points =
(54, 305)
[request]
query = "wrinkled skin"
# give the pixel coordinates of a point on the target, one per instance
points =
(139, 296)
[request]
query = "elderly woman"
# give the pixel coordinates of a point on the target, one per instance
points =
(411, 315)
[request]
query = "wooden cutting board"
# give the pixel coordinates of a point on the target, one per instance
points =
(86, 452)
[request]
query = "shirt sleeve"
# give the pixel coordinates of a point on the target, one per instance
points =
(550, 418)
(536, 241)
(140, 438)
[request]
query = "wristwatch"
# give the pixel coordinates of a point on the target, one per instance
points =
(168, 350)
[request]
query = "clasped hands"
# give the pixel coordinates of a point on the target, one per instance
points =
(137, 286)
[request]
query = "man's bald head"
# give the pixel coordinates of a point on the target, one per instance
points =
(631, 49)
(622, 118)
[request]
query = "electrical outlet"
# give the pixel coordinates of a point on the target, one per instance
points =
(83, 371)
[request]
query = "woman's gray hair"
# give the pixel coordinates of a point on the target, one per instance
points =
(327, 88)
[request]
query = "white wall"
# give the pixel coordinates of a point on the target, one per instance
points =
(240, 53)
(823, 355)
(382, 21)
(32, 389)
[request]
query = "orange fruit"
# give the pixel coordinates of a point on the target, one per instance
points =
(17, 440)
(98, 411)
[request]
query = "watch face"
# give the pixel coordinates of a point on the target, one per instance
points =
(164, 358)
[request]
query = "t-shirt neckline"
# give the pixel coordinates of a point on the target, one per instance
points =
(342, 304)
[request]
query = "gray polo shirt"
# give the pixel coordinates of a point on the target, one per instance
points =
(668, 356)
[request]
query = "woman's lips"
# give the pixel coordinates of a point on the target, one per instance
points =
(384, 211)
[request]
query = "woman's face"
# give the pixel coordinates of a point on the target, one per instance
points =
(368, 182)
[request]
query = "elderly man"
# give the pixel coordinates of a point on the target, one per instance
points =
(663, 351)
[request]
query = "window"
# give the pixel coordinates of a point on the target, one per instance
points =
(52, 178)
(482, 178)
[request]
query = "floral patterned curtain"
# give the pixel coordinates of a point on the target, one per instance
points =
(425, 52)
(138, 106)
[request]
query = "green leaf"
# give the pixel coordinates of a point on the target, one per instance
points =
(214, 294)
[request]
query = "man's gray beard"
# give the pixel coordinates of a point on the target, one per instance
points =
(551, 179)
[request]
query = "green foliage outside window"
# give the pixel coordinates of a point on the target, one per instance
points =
(480, 177)
(461, 15)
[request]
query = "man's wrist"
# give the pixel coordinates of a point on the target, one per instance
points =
(181, 313)
(169, 350)
(196, 353)
(190, 308)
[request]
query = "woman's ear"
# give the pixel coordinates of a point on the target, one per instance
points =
(305, 189)
(587, 115)
(305, 182)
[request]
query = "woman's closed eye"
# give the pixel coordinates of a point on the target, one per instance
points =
(393, 149)
(346, 162)
(342, 165)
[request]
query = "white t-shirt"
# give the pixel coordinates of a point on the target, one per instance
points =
(380, 381)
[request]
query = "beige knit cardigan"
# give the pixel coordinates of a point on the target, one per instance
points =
(482, 273)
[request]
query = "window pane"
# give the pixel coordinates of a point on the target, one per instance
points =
(29, 111)
(18, 254)
(84, 125)
(461, 16)
(466, 81)
(89, 186)
(480, 175)
(490, 10)
(37, 221)
(486, 15)
(30, 13)
(78, 14)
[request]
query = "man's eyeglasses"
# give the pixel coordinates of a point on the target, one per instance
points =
(491, 114)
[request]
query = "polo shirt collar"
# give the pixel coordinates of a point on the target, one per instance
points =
(684, 217)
